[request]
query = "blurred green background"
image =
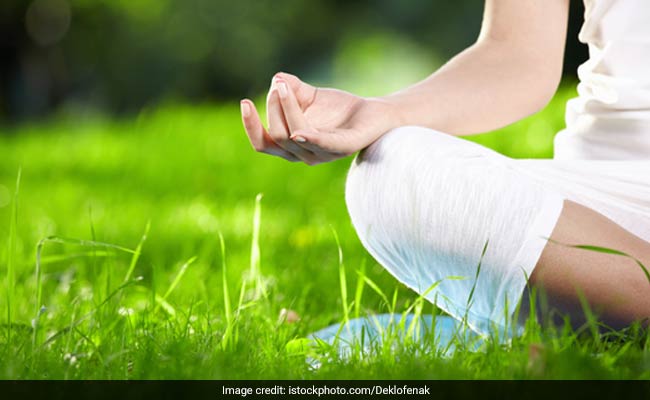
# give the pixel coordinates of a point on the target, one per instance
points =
(89, 56)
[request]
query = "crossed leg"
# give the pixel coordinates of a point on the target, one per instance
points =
(615, 287)
(425, 203)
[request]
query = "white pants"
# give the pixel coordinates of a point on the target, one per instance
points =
(425, 204)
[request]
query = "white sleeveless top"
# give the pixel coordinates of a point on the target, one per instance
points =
(610, 118)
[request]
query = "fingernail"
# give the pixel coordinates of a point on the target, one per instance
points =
(282, 89)
(245, 109)
(299, 139)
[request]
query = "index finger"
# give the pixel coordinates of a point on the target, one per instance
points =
(257, 134)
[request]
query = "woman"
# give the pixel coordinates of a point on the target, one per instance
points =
(429, 205)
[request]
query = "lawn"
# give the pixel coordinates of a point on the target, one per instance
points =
(138, 248)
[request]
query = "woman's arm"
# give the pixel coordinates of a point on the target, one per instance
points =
(511, 71)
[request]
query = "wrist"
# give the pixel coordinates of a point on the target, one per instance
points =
(389, 114)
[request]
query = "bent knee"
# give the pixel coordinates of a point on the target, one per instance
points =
(426, 204)
(405, 142)
(410, 164)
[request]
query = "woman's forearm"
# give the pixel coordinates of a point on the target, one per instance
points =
(485, 87)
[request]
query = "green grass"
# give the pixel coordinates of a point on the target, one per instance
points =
(139, 248)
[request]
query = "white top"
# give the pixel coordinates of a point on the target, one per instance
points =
(610, 118)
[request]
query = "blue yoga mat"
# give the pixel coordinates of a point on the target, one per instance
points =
(441, 333)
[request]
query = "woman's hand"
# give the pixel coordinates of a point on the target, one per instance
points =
(315, 125)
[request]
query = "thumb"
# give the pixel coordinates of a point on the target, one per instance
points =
(338, 141)
(304, 92)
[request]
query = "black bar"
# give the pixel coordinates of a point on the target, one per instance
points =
(315, 389)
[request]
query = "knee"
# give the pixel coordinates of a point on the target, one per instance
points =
(382, 174)
(425, 205)
(406, 143)
(419, 200)
(407, 170)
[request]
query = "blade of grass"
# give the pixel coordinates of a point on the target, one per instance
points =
(178, 277)
(478, 272)
(606, 250)
(55, 258)
(358, 293)
(393, 304)
(376, 288)
(164, 304)
(423, 295)
(11, 257)
(255, 273)
(342, 278)
(225, 340)
(137, 252)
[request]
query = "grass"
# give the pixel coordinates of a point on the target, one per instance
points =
(139, 248)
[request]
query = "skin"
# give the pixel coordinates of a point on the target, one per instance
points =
(614, 286)
(511, 71)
